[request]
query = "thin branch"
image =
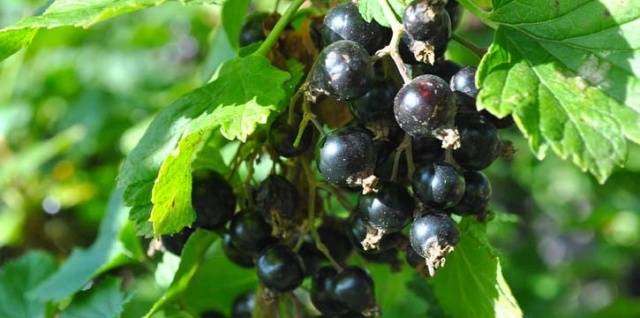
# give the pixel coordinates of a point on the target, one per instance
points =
(480, 52)
(396, 37)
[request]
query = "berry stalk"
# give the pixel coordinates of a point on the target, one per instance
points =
(282, 23)
(396, 36)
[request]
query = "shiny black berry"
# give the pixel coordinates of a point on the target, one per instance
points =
(455, 12)
(213, 200)
(279, 268)
(243, 305)
(236, 255)
(277, 200)
(310, 255)
(433, 236)
(174, 243)
(358, 232)
(376, 103)
(354, 288)
(426, 149)
(336, 241)
(343, 69)
(282, 136)
(463, 83)
(476, 194)
(344, 22)
(322, 296)
(479, 144)
(424, 21)
(253, 29)
(389, 209)
(438, 185)
(423, 105)
(346, 156)
(249, 232)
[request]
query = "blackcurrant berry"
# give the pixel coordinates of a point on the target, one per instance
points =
(455, 11)
(213, 200)
(423, 105)
(464, 82)
(344, 22)
(347, 156)
(282, 136)
(479, 144)
(438, 185)
(476, 194)
(433, 236)
(249, 232)
(174, 243)
(389, 256)
(424, 21)
(426, 149)
(277, 199)
(234, 254)
(310, 255)
(279, 268)
(354, 288)
(358, 233)
(211, 314)
(389, 209)
(376, 103)
(253, 29)
(322, 293)
(336, 241)
(343, 69)
(244, 305)
(414, 259)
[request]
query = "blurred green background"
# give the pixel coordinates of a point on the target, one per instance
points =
(75, 103)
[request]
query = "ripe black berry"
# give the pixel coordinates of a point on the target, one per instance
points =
(336, 241)
(174, 243)
(455, 11)
(244, 305)
(376, 103)
(249, 232)
(277, 200)
(344, 22)
(282, 136)
(438, 185)
(213, 200)
(279, 268)
(464, 81)
(322, 295)
(234, 254)
(343, 69)
(414, 259)
(479, 144)
(347, 156)
(358, 233)
(389, 209)
(423, 105)
(427, 149)
(433, 236)
(253, 30)
(354, 288)
(476, 194)
(424, 21)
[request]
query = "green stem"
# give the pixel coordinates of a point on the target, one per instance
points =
(282, 23)
(469, 46)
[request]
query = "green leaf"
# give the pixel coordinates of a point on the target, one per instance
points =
(394, 293)
(471, 283)
(371, 10)
(233, 13)
(190, 262)
(102, 301)
(83, 265)
(231, 280)
(72, 13)
(17, 277)
(244, 93)
(572, 84)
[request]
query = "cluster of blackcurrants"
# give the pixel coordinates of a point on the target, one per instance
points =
(447, 141)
